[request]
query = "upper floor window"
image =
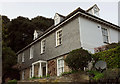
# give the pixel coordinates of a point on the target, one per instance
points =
(43, 46)
(105, 35)
(18, 58)
(23, 57)
(31, 52)
(59, 37)
(96, 11)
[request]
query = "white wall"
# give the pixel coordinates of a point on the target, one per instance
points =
(91, 35)
(119, 13)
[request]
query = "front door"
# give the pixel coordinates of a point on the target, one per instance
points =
(44, 71)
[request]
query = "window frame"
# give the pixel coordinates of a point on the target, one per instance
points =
(31, 51)
(43, 47)
(30, 73)
(105, 34)
(60, 66)
(18, 58)
(23, 74)
(58, 38)
(23, 57)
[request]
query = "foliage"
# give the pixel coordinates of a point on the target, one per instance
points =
(96, 75)
(12, 82)
(112, 45)
(78, 59)
(112, 73)
(42, 23)
(19, 31)
(111, 57)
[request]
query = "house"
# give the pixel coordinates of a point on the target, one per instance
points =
(46, 54)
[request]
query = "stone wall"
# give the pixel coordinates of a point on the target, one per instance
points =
(36, 70)
(52, 66)
(26, 75)
(27, 71)
(66, 68)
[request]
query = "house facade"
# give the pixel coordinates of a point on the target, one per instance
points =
(46, 54)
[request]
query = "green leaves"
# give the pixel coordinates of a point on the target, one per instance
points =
(111, 56)
(78, 59)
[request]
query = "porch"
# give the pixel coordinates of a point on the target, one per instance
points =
(39, 68)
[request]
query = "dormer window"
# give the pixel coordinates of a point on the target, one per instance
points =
(94, 10)
(35, 35)
(58, 18)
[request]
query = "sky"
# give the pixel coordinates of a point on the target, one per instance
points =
(31, 9)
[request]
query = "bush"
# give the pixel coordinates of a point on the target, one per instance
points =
(112, 45)
(95, 75)
(111, 73)
(78, 59)
(111, 57)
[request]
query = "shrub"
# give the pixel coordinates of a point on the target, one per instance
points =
(112, 73)
(112, 45)
(111, 57)
(78, 59)
(95, 75)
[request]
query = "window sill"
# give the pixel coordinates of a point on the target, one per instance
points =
(42, 53)
(106, 42)
(31, 58)
(58, 45)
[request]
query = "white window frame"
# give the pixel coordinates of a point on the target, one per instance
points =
(18, 59)
(30, 73)
(96, 11)
(60, 66)
(23, 75)
(23, 57)
(57, 37)
(31, 52)
(43, 46)
(105, 35)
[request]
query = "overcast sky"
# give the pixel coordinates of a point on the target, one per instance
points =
(108, 10)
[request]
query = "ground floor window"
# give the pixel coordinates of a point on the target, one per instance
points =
(23, 75)
(30, 72)
(60, 66)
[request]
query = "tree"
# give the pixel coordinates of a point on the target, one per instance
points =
(78, 59)
(8, 55)
(20, 33)
(42, 23)
(20, 30)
